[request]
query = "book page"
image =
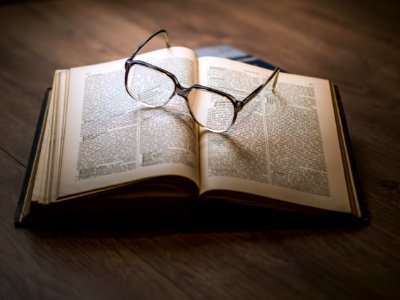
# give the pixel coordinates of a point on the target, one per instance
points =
(47, 171)
(110, 138)
(283, 145)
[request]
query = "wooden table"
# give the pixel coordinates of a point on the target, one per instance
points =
(354, 45)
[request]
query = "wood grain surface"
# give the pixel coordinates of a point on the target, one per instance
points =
(353, 43)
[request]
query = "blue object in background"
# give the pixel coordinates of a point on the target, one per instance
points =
(234, 54)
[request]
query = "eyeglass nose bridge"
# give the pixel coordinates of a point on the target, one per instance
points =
(181, 91)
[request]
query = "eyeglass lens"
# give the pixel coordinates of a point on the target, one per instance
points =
(154, 88)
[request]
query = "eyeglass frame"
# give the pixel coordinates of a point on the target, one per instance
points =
(184, 92)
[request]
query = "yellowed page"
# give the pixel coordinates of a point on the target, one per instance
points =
(47, 172)
(111, 139)
(39, 187)
(283, 146)
(38, 192)
(56, 136)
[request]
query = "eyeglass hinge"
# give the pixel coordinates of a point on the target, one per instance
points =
(239, 105)
(128, 63)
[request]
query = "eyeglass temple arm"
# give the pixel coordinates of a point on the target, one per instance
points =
(148, 40)
(275, 74)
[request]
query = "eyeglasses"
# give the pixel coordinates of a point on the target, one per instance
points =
(212, 109)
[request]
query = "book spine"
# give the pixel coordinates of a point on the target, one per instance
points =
(357, 184)
(23, 201)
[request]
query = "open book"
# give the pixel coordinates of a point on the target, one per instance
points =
(99, 152)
